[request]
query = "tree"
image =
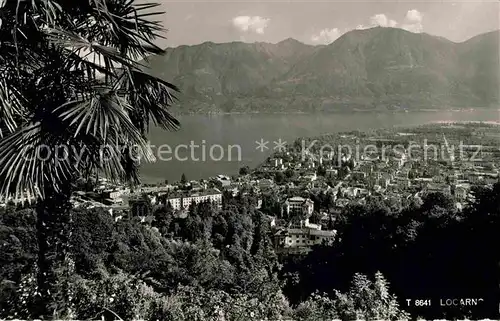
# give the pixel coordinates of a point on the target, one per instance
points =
(316, 308)
(183, 179)
(244, 170)
(365, 300)
(432, 202)
(279, 177)
(163, 218)
(18, 242)
(369, 300)
(289, 173)
(315, 218)
(74, 103)
(90, 252)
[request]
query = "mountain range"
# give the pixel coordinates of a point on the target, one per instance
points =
(372, 69)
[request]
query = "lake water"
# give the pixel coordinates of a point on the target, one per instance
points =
(203, 139)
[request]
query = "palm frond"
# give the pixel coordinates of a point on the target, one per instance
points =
(11, 108)
(74, 42)
(29, 164)
(127, 29)
(151, 98)
(69, 77)
(79, 62)
(105, 116)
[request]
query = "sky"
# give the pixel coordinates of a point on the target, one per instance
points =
(320, 22)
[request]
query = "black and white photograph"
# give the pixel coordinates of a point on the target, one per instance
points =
(249, 160)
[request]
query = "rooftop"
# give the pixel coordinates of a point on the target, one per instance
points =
(297, 199)
(207, 192)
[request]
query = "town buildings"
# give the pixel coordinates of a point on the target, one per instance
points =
(299, 206)
(183, 201)
(300, 237)
(394, 178)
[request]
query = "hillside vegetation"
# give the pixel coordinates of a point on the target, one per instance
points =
(378, 68)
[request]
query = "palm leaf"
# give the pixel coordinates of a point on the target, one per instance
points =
(151, 98)
(69, 76)
(128, 31)
(106, 116)
(29, 164)
(72, 41)
(11, 108)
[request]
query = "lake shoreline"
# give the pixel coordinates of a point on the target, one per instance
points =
(333, 112)
(245, 130)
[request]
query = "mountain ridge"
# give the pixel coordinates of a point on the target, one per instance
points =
(354, 30)
(371, 69)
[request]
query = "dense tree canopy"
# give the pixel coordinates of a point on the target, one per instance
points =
(429, 251)
(228, 259)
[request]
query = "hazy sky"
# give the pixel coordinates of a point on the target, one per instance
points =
(320, 22)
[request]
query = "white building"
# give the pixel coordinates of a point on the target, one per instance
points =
(183, 202)
(311, 177)
(299, 205)
(115, 196)
(305, 224)
(224, 180)
(175, 202)
(304, 237)
(156, 189)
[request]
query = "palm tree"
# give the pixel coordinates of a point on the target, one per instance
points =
(74, 102)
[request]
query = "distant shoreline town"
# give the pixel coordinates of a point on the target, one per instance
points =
(180, 112)
(315, 188)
